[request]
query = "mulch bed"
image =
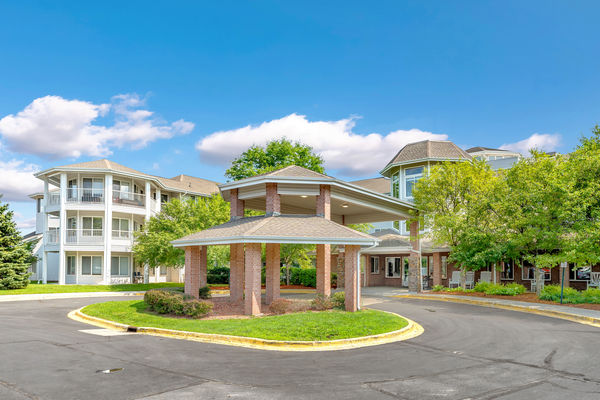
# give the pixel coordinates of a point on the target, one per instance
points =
(526, 297)
(226, 287)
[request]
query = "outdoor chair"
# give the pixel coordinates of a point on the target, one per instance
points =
(455, 279)
(594, 280)
(137, 277)
(485, 276)
(534, 285)
(469, 279)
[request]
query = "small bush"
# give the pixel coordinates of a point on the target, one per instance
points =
(334, 280)
(511, 289)
(321, 303)
(280, 306)
(438, 288)
(164, 302)
(339, 300)
(481, 287)
(204, 292)
(218, 275)
(570, 295)
(308, 277)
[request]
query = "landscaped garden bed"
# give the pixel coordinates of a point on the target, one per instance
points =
(226, 319)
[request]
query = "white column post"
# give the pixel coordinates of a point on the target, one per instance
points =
(158, 201)
(107, 226)
(45, 233)
(146, 267)
(62, 229)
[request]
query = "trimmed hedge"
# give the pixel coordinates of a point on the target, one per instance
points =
(510, 289)
(217, 275)
(165, 302)
(301, 276)
(570, 295)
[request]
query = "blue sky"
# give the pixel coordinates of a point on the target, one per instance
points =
(182, 87)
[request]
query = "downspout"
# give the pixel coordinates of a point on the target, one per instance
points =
(358, 290)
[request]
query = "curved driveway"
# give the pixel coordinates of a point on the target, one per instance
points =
(466, 352)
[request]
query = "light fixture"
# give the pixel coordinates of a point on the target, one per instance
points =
(345, 205)
(304, 196)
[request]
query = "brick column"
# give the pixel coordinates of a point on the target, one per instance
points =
(350, 275)
(236, 272)
(415, 281)
(252, 279)
(203, 266)
(437, 269)
(340, 269)
(273, 200)
(272, 272)
(324, 202)
(236, 205)
(324, 269)
(192, 271)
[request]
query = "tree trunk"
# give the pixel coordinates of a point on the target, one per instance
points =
(463, 278)
(539, 281)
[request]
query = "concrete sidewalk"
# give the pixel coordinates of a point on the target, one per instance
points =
(74, 295)
(557, 310)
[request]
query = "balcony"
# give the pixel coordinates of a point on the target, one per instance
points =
(122, 235)
(129, 199)
(85, 236)
(85, 196)
(53, 236)
(54, 199)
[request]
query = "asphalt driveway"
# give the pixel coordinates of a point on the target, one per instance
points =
(466, 352)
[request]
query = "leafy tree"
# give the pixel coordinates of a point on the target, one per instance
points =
(276, 154)
(456, 204)
(179, 218)
(15, 256)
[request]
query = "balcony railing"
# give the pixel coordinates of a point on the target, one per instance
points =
(83, 195)
(54, 199)
(85, 236)
(53, 236)
(129, 198)
(123, 235)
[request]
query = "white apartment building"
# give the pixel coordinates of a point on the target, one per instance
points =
(86, 216)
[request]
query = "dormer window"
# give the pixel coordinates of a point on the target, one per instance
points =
(411, 176)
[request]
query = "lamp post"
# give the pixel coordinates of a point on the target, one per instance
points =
(563, 267)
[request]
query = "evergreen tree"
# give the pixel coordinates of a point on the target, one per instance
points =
(15, 256)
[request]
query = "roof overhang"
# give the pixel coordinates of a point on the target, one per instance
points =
(270, 239)
(417, 161)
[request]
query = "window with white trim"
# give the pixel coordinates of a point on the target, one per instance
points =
(71, 265)
(119, 266)
(91, 265)
(579, 274)
(374, 265)
(120, 228)
(508, 270)
(529, 272)
(396, 185)
(92, 226)
(163, 270)
(424, 266)
(411, 176)
(393, 267)
(444, 260)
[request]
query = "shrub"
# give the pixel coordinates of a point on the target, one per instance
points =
(164, 302)
(321, 303)
(438, 288)
(308, 277)
(204, 292)
(570, 295)
(482, 286)
(218, 275)
(339, 300)
(334, 280)
(511, 289)
(280, 306)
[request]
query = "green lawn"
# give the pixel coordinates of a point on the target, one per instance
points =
(34, 288)
(306, 326)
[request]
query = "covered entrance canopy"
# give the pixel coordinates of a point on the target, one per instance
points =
(301, 207)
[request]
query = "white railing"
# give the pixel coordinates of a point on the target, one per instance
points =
(85, 236)
(118, 234)
(54, 199)
(53, 236)
(129, 198)
(87, 196)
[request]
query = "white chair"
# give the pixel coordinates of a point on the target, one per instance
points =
(455, 279)
(485, 276)
(594, 280)
(534, 284)
(470, 279)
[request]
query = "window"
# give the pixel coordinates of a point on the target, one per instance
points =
(122, 190)
(394, 269)
(163, 270)
(411, 176)
(164, 198)
(508, 270)
(444, 267)
(405, 270)
(374, 265)
(120, 228)
(92, 226)
(396, 185)
(529, 272)
(71, 265)
(430, 265)
(579, 274)
(93, 188)
(119, 266)
(424, 266)
(72, 189)
(91, 265)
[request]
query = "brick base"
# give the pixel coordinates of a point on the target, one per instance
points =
(324, 269)
(252, 279)
(272, 272)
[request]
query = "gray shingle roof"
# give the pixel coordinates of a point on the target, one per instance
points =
(480, 148)
(429, 149)
(379, 185)
(278, 229)
(294, 171)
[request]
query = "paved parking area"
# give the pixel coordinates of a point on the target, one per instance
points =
(466, 352)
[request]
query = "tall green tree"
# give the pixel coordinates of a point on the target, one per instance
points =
(276, 154)
(15, 255)
(179, 218)
(455, 201)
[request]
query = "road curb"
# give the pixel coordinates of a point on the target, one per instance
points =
(410, 331)
(526, 309)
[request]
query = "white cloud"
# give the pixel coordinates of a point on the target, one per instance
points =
(539, 141)
(24, 224)
(18, 181)
(54, 127)
(343, 150)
